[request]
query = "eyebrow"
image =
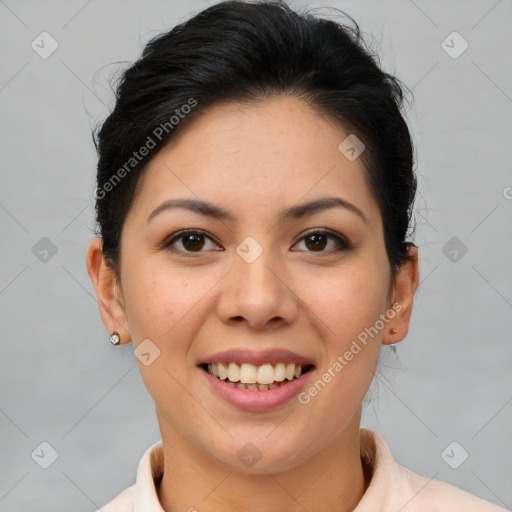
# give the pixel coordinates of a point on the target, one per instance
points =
(288, 215)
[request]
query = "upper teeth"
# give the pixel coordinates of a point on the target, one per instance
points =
(250, 374)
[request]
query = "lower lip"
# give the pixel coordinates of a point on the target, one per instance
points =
(258, 400)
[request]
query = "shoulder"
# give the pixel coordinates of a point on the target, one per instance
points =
(439, 496)
(394, 487)
(123, 502)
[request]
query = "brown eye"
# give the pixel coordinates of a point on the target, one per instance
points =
(191, 241)
(317, 241)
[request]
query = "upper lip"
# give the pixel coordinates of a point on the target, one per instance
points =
(272, 356)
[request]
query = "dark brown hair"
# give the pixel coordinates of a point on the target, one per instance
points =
(248, 51)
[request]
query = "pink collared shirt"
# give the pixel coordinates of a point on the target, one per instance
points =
(392, 486)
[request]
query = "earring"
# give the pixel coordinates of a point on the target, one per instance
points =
(115, 339)
(392, 331)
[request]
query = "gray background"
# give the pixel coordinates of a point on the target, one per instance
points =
(62, 382)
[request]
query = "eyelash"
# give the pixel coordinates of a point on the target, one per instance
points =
(343, 244)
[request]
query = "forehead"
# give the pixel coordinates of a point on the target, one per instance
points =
(250, 157)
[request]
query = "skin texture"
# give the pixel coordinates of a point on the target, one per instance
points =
(255, 160)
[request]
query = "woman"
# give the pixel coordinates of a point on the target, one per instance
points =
(255, 189)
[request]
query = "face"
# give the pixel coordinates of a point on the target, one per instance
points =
(247, 283)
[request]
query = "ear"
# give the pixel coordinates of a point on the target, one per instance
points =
(108, 291)
(403, 291)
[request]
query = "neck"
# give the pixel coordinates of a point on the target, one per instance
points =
(333, 479)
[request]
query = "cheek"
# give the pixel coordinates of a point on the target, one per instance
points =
(166, 307)
(346, 302)
(347, 305)
(158, 299)
(169, 306)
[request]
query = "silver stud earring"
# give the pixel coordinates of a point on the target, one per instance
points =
(115, 339)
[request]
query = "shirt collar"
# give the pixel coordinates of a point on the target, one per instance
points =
(149, 474)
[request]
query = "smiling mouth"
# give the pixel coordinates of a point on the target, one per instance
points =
(256, 377)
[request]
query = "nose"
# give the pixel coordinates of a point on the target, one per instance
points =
(259, 294)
